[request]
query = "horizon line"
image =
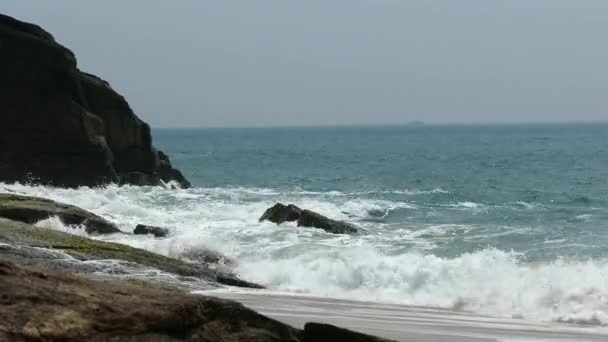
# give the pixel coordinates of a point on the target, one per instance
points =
(417, 123)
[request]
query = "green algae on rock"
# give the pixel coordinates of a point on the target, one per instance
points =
(33, 209)
(18, 234)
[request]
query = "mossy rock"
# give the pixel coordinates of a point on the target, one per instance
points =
(82, 248)
(33, 209)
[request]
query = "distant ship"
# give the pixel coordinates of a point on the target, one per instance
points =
(415, 123)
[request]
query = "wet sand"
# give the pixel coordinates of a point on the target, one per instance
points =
(407, 323)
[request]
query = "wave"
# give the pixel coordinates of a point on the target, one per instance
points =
(389, 264)
(55, 223)
(490, 281)
(467, 205)
(297, 191)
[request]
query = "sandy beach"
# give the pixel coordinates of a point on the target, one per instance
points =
(407, 323)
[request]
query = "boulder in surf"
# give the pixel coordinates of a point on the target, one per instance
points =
(142, 229)
(280, 213)
(311, 219)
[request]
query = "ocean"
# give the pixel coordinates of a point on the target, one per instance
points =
(508, 221)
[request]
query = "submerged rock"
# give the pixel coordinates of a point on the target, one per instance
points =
(64, 127)
(142, 229)
(46, 305)
(280, 213)
(33, 209)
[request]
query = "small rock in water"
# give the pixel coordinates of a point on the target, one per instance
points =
(376, 213)
(312, 219)
(142, 229)
(280, 213)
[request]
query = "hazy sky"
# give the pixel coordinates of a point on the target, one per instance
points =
(315, 62)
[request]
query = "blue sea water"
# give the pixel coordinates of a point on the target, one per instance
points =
(514, 187)
(502, 220)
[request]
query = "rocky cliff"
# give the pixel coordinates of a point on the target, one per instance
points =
(61, 126)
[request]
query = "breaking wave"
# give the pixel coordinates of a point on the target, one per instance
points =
(387, 263)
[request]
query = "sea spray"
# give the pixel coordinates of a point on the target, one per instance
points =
(395, 260)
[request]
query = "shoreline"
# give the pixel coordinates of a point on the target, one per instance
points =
(403, 322)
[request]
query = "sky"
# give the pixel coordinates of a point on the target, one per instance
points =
(224, 63)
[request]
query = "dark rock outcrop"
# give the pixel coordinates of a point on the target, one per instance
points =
(51, 306)
(33, 209)
(328, 333)
(64, 127)
(280, 213)
(142, 229)
(311, 219)
(167, 172)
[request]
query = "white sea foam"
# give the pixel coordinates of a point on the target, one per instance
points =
(525, 205)
(490, 281)
(371, 266)
(468, 205)
(55, 223)
(584, 217)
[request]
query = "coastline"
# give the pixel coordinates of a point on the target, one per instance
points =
(406, 323)
(71, 248)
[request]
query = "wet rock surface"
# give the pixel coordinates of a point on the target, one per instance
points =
(29, 245)
(280, 213)
(33, 209)
(142, 229)
(311, 219)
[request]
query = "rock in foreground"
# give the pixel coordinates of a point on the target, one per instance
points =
(64, 127)
(280, 213)
(33, 209)
(51, 306)
(45, 305)
(35, 246)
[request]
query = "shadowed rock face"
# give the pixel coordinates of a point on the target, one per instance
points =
(46, 305)
(63, 127)
(280, 213)
(328, 333)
